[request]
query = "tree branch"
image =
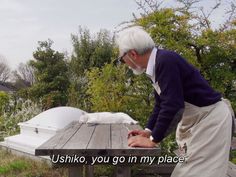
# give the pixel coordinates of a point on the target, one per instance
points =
(198, 50)
(232, 16)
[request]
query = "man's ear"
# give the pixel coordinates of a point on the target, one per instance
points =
(133, 53)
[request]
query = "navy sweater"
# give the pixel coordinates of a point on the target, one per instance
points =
(179, 81)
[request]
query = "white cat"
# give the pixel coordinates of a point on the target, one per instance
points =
(106, 118)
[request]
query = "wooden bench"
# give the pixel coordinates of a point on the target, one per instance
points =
(90, 140)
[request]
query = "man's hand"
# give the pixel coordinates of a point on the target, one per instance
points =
(140, 141)
(143, 133)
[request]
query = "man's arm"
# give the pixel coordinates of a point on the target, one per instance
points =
(171, 97)
(153, 117)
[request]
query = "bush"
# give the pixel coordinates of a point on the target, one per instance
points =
(21, 111)
(114, 89)
(4, 101)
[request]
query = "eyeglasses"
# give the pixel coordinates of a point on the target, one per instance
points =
(120, 59)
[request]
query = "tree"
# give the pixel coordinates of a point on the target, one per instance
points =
(51, 76)
(5, 70)
(116, 89)
(24, 75)
(88, 52)
(188, 30)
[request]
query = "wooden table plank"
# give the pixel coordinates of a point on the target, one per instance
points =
(118, 140)
(60, 139)
(107, 139)
(81, 138)
(101, 138)
(103, 152)
(119, 135)
(94, 140)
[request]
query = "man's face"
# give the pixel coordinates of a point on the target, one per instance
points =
(131, 58)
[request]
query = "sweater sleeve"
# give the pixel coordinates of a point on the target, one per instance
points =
(153, 117)
(171, 96)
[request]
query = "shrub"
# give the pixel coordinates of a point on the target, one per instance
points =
(21, 111)
(4, 101)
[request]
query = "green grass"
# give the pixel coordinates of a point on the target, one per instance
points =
(15, 166)
(12, 166)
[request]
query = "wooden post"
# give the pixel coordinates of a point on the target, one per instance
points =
(123, 171)
(89, 169)
(76, 171)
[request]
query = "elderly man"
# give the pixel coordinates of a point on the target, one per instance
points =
(183, 98)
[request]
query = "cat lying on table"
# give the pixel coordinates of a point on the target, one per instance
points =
(106, 118)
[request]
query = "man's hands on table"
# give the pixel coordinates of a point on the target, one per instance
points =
(140, 138)
(144, 133)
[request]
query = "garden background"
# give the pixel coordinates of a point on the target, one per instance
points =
(91, 80)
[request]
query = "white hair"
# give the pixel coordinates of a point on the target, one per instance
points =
(134, 38)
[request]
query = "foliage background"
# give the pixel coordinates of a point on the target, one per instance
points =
(91, 80)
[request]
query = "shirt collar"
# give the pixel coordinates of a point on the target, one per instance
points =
(151, 64)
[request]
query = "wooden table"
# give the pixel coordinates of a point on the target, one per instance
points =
(94, 140)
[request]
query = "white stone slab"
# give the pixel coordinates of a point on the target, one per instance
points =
(40, 128)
